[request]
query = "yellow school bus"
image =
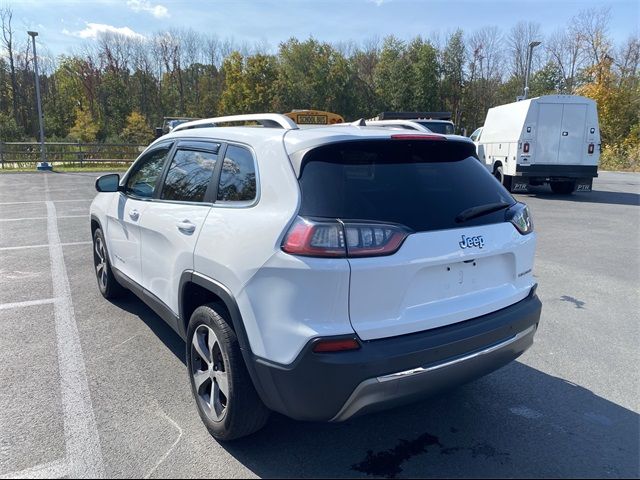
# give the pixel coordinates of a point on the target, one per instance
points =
(314, 117)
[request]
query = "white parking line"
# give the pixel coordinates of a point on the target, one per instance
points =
(81, 433)
(28, 303)
(44, 201)
(44, 245)
(55, 469)
(173, 445)
(40, 218)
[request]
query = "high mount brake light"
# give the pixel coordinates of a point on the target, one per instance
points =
(333, 238)
(416, 136)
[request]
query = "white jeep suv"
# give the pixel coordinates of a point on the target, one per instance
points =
(319, 273)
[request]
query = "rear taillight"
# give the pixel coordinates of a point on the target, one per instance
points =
(336, 345)
(520, 216)
(525, 147)
(315, 239)
(591, 148)
(334, 238)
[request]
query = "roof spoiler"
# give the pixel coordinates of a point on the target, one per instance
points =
(413, 116)
(267, 120)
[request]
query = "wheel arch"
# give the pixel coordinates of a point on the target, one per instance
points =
(95, 224)
(196, 290)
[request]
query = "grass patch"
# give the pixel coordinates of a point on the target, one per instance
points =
(86, 167)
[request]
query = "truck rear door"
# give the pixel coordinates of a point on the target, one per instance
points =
(572, 137)
(547, 145)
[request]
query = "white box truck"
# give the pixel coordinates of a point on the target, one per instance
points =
(553, 139)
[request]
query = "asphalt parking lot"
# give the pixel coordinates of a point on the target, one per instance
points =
(93, 388)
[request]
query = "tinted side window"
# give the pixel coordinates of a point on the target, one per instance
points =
(189, 175)
(238, 176)
(142, 181)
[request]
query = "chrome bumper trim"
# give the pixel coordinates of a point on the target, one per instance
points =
(493, 348)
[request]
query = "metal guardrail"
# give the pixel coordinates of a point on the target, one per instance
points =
(17, 153)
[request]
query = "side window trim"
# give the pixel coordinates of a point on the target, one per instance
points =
(212, 191)
(160, 183)
(171, 148)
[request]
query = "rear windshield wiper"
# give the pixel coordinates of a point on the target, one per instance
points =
(480, 210)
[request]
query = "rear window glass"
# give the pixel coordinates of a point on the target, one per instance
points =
(423, 185)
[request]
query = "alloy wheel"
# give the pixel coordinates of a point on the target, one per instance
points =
(209, 373)
(101, 263)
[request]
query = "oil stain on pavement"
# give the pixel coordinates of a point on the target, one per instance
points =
(388, 463)
(578, 303)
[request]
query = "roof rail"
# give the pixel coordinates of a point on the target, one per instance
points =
(267, 120)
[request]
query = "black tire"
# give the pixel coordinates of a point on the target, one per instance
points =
(563, 188)
(240, 412)
(505, 180)
(107, 283)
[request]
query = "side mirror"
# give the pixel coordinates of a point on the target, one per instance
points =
(108, 183)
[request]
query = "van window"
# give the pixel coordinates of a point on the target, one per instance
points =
(475, 136)
(423, 185)
(443, 128)
(238, 176)
(189, 175)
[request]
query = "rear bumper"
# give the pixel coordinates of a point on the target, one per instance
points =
(388, 372)
(557, 171)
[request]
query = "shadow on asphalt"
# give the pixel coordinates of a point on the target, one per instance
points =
(159, 327)
(515, 422)
(595, 196)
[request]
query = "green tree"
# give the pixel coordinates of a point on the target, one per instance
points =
(136, 129)
(312, 74)
(232, 100)
(85, 129)
(393, 75)
(260, 75)
(452, 68)
(546, 81)
(425, 76)
(9, 129)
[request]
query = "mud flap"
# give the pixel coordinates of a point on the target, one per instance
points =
(584, 184)
(519, 185)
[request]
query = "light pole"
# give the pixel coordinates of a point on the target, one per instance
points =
(532, 45)
(43, 162)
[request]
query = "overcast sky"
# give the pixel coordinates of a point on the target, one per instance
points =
(63, 24)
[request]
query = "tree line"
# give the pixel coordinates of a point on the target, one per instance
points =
(117, 88)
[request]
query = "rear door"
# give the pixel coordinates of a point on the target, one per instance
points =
(444, 272)
(572, 137)
(171, 223)
(548, 133)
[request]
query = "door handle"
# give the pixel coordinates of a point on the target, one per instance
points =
(134, 214)
(186, 227)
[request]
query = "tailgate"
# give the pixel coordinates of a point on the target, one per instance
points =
(432, 281)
